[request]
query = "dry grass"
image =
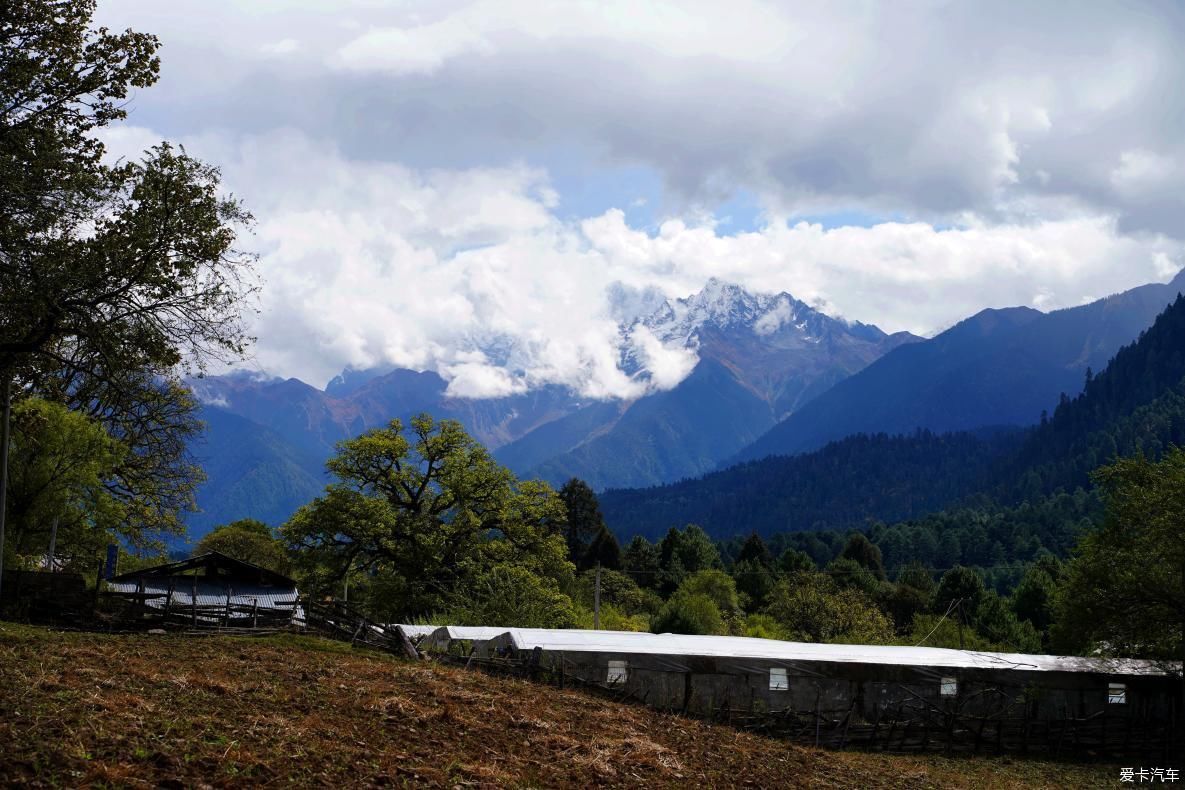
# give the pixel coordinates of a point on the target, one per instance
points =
(153, 711)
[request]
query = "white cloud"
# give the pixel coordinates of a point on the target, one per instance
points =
(285, 46)
(925, 110)
(407, 161)
(470, 272)
(666, 366)
(743, 30)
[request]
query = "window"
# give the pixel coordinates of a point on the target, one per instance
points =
(1116, 693)
(618, 672)
(778, 680)
(949, 687)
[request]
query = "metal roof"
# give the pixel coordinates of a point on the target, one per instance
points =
(211, 562)
(414, 631)
(445, 635)
(776, 650)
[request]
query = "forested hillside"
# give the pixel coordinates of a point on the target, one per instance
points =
(999, 367)
(837, 487)
(1137, 404)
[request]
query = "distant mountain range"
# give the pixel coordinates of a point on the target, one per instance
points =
(1136, 404)
(999, 367)
(761, 357)
(774, 376)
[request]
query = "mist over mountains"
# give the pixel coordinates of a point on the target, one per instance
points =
(768, 374)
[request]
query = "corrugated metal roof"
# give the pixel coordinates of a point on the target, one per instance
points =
(211, 594)
(414, 631)
(445, 635)
(210, 562)
(770, 649)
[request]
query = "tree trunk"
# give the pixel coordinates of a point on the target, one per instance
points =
(5, 420)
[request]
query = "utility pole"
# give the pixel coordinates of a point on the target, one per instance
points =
(6, 418)
(959, 609)
(597, 600)
(53, 545)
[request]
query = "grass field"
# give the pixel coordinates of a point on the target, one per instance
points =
(87, 709)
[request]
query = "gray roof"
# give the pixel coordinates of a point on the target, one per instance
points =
(739, 647)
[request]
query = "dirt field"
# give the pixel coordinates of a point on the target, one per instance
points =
(172, 711)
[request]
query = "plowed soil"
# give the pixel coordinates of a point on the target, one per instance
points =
(173, 711)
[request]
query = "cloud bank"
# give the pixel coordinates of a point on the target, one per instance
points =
(414, 167)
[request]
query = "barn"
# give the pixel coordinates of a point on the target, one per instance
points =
(209, 590)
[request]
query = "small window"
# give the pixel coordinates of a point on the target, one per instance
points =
(949, 687)
(778, 680)
(1116, 693)
(618, 672)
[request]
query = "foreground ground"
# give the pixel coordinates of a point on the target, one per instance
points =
(84, 709)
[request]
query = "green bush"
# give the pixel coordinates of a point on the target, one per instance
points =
(512, 596)
(689, 613)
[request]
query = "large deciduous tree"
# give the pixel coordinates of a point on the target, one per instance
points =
(426, 512)
(111, 274)
(248, 540)
(60, 462)
(1124, 590)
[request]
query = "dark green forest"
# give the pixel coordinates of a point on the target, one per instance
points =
(996, 540)
(1135, 405)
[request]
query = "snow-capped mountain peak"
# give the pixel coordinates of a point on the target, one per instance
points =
(727, 306)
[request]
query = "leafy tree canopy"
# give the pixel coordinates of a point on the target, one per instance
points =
(1124, 591)
(429, 508)
(250, 541)
(58, 469)
(811, 608)
(111, 275)
(583, 521)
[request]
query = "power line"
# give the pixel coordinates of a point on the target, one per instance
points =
(945, 614)
(894, 570)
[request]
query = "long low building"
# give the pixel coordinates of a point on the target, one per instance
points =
(890, 696)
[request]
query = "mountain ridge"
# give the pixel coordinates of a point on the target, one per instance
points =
(997, 367)
(1135, 405)
(759, 356)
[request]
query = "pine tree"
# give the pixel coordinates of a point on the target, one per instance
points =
(604, 551)
(584, 520)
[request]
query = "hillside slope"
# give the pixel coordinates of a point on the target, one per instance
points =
(173, 711)
(840, 487)
(253, 472)
(999, 367)
(1136, 404)
(761, 356)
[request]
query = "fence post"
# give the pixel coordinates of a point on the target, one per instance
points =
(5, 420)
(254, 612)
(597, 600)
(98, 584)
(193, 600)
(226, 617)
(169, 601)
(53, 545)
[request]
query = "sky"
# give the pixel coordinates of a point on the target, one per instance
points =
(433, 180)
